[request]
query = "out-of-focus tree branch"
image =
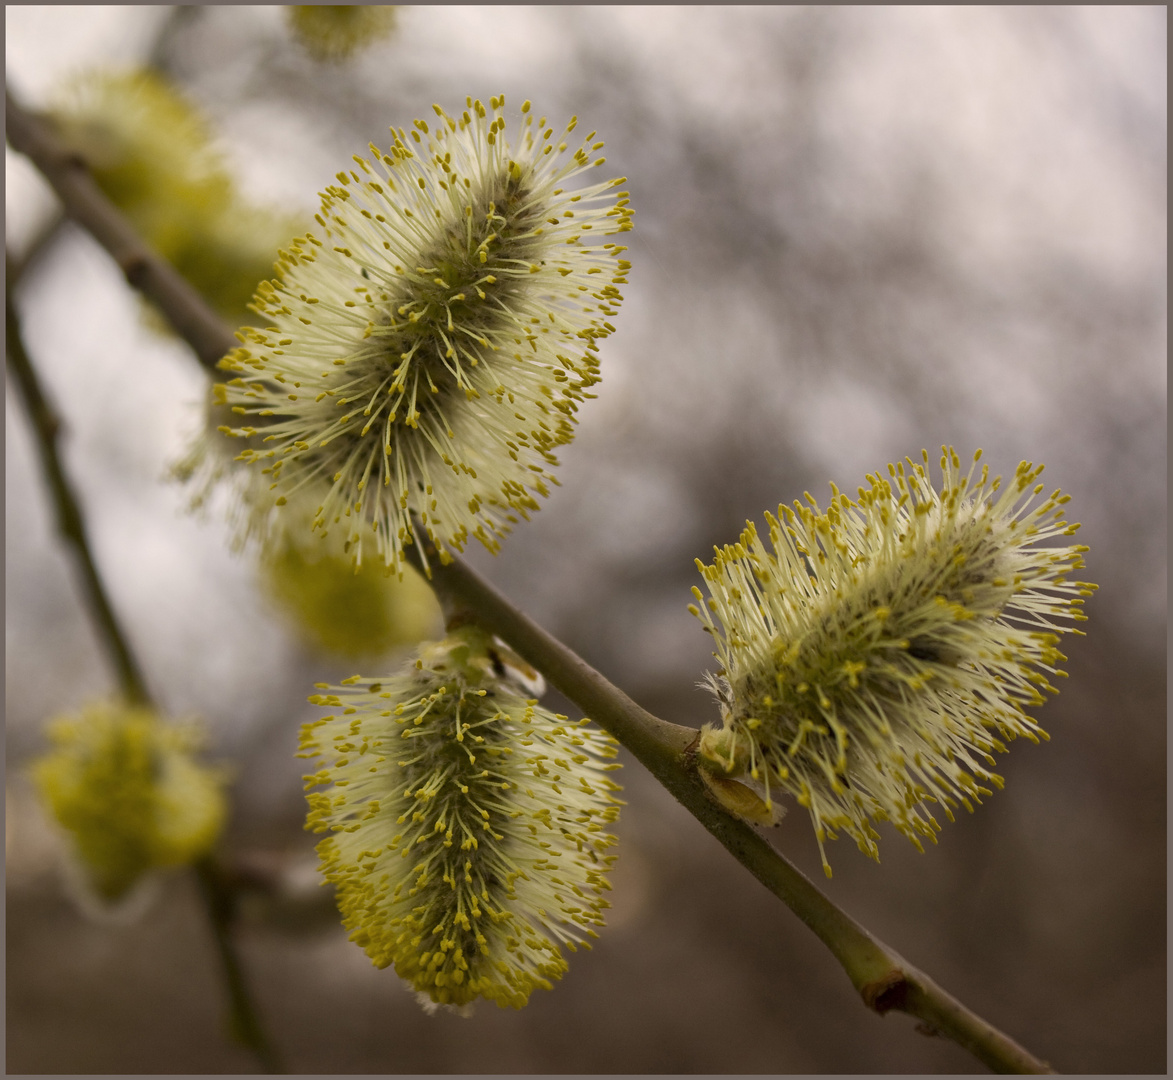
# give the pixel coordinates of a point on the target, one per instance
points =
(70, 522)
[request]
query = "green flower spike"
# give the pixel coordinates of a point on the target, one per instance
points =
(467, 825)
(872, 663)
(130, 793)
(424, 360)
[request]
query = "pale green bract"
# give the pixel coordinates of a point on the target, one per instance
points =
(875, 658)
(467, 826)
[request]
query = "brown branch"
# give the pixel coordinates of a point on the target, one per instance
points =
(46, 431)
(219, 896)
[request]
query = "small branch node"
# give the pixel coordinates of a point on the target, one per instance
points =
(460, 616)
(886, 993)
(135, 266)
(74, 159)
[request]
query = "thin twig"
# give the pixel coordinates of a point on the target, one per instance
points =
(177, 20)
(883, 978)
(220, 902)
(47, 428)
(214, 890)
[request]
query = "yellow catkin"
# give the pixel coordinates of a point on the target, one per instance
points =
(465, 827)
(154, 156)
(880, 652)
(428, 347)
(358, 614)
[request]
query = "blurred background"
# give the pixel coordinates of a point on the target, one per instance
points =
(859, 232)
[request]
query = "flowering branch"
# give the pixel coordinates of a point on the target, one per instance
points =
(883, 978)
(214, 890)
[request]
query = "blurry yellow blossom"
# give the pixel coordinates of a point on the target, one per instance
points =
(354, 612)
(154, 156)
(335, 31)
(129, 792)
